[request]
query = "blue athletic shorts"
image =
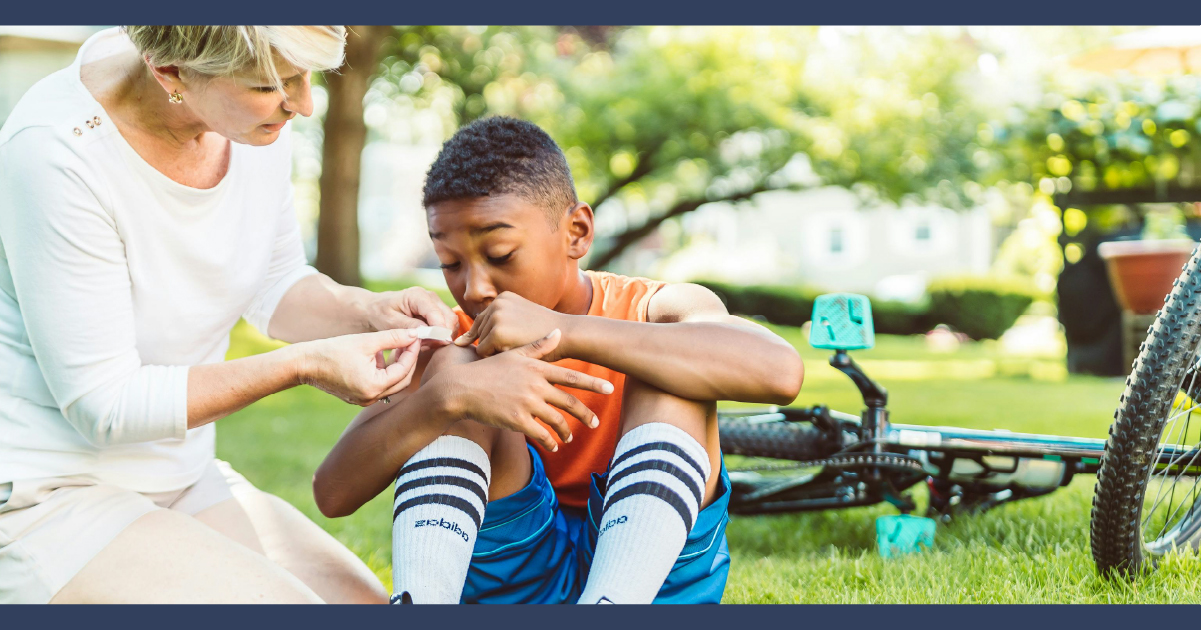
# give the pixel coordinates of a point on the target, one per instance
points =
(531, 550)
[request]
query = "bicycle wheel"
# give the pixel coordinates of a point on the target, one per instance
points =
(1146, 499)
(797, 441)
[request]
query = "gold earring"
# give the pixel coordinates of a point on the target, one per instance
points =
(176, 98)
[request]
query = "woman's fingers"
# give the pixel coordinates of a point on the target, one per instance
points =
(553, 419)
(389, 339)
(573, 406)
(558, 375)
(425, 305)
(405, 362)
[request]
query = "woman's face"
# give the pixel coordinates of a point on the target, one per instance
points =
(248, 109)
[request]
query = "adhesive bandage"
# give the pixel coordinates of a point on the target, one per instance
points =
(437, 333)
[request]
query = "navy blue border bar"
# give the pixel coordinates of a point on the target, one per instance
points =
(510, 12)
(602, 617)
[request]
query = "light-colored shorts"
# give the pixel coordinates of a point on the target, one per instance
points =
(51, 528)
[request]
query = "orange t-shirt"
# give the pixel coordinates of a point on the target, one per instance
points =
(569, 470)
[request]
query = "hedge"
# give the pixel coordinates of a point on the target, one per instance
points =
(980, 307)
(792, 306)
(983, 307)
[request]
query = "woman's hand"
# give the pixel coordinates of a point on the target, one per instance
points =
(353, 368)
(515, 390)
(409, 308)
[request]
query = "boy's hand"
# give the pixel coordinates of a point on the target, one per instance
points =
(515, 391)
(512, 321)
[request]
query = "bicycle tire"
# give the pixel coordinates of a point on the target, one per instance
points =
(797, 441)
(1116, 536)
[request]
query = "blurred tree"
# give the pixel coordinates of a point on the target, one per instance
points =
(1105, 135)
(345, 135)
(658, 121)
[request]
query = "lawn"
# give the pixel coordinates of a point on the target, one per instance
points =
(1034, 551)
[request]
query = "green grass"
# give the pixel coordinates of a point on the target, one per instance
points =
(1033, 551)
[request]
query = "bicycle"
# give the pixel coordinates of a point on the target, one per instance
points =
(838, 460)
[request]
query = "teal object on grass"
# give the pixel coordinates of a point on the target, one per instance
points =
(842, 321)
(896, 535)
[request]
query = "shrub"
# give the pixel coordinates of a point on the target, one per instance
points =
(793, 306)
(982, 307)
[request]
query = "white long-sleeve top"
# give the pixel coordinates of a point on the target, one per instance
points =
(114, 279)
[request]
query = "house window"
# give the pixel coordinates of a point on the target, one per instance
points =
(836, 240)
(921, 233)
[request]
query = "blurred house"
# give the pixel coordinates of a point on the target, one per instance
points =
(29, 53)
(821, 238)
(393, 233)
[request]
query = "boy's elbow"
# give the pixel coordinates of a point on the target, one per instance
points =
(786, 379)
(330, 503)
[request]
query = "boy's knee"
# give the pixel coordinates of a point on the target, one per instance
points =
(647, 401)
(446, 357)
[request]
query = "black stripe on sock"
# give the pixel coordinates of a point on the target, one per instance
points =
(654, 489)
(449, 480)
(660, 446)
(452, 462)
(449, 500)
(661, 466)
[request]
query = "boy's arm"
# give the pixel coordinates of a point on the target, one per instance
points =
(375, 445)
(512, 391)
(691, 347)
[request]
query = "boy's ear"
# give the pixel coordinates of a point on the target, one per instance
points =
(578, 226)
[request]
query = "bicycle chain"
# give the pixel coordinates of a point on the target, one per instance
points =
(847, 461)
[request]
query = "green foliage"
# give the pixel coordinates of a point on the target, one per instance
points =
(1104, 135)
(793, 306)
(979, 306)
(656, 121)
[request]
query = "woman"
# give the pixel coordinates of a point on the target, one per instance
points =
(145, 206)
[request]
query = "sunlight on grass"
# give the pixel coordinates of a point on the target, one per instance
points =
(1027, 552)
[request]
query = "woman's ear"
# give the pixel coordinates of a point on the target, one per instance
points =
(578, 226)
(167, 76)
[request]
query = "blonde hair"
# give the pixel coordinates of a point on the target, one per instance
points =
(224, 51)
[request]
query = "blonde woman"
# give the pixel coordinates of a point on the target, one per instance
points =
(145, 206)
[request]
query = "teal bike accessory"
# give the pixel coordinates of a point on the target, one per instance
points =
(902, 534)
(842, 321)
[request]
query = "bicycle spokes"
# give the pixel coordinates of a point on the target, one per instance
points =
(1174, 484)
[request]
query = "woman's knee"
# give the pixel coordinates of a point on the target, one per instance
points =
(169, 557)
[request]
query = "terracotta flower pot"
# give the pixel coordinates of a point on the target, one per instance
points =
(1141, 272)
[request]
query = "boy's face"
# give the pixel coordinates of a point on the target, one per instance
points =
(488, 245)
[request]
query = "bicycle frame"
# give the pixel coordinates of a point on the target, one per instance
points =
(980, 468)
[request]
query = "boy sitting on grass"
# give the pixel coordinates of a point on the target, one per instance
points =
(631, 509)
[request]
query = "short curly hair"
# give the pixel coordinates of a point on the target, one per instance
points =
(501, 156)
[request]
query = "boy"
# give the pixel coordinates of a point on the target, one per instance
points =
(631, 509)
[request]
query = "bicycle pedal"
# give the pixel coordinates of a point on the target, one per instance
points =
(901, 534)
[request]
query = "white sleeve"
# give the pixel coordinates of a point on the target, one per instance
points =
(72, 284)
(287, 265)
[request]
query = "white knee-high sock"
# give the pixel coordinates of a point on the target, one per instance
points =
(439, 504)
(652, 498)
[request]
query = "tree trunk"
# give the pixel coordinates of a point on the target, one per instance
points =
(341, 155)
